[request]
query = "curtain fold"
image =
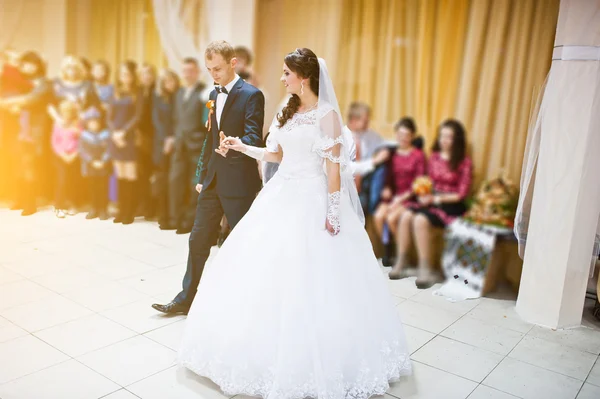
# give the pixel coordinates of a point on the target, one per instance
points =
(125, 30)
(11, 17)
(182, 30)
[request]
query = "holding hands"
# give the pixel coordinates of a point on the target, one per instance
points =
(230, 143)
(234, 143)
(222, 150)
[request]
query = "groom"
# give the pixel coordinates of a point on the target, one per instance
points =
(230, 182)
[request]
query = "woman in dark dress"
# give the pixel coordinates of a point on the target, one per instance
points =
(101, 79)
(123, 117)
(144, 200)
(164, 140)
(105, 92)
(451, 171)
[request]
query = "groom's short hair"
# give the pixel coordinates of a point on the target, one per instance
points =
(220, 47)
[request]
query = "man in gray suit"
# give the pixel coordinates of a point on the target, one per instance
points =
(190, 134)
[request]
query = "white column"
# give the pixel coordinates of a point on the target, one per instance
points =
(232, 20)
(566, 197)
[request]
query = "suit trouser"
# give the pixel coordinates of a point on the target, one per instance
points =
(182, 186)
(209, 211)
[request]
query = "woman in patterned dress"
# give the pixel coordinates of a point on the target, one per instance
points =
(406, 165)
(450, 170)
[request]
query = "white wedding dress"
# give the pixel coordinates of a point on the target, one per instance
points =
(287, 311)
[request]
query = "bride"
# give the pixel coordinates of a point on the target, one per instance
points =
(306, 313)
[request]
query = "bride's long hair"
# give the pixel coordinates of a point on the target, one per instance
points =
(305, 64)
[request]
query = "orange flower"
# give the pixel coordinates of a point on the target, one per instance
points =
(422, 186)
(211, 106)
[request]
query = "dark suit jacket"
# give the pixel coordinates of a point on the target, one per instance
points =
(188, 116)
(243, 116)
(163, 124)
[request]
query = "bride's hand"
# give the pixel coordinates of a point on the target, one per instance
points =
(234, 143)
(330, 228)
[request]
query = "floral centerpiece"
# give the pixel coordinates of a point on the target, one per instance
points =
(495, 203)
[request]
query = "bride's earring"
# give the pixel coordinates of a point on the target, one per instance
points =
(302, 88)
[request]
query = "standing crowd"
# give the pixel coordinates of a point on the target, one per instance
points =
(83, 140)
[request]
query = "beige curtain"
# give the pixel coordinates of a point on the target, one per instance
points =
(480, 61)
(125, 30)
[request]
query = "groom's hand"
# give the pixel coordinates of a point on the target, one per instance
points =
(222, 150)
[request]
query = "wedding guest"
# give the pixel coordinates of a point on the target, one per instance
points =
(95, 166)
(450, 170)
(72, 85)
(65, 138)
(34, 136)
(406, 164)
(105, 91)
(124, 113)
(12, 83)
(145, 201)
(101, 79)
(244, 65)
(190, 135)
(370, 154)
(164, 140)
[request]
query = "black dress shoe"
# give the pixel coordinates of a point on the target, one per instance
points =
(128, 220)
(166, 226)
(184, 230)
(387, 261)
(172, 308)
(91, 215)
(103, 215)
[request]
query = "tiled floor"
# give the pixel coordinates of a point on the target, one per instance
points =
(76, 323)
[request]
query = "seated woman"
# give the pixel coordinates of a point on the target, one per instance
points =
(405, 165)
(451, 173)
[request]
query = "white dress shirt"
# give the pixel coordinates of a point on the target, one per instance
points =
(222, 98)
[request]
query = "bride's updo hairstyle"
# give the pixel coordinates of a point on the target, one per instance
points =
(304, 63)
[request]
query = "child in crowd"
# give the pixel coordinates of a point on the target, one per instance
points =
(95, 165)
(65, 138)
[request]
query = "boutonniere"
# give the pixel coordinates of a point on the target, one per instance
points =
(210, 104)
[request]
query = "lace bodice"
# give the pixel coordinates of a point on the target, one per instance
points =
(298, 139)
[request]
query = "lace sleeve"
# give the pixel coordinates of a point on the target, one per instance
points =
(334, 148)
